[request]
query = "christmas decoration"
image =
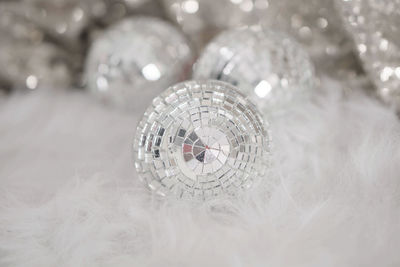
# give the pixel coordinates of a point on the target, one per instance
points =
(200, 140)
(327, 195)
(317, 25)
(134, 60)
(375, 28)
(29, 62)
(203, 19)
(269, 67)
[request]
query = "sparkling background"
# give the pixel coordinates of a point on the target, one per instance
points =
(375, 28)
(201, 20)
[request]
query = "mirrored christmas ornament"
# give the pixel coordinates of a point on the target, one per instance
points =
(203, 19)
(269, 67)
(134, 60)
(375, 27)
(200, 140)
(316, 25)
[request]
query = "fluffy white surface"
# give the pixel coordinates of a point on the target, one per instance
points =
(70, 197)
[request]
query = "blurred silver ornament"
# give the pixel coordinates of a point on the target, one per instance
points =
(316, 25)
(134, 60)
(200, 140)
(28, 61)
(203, 19)
(375, 27)
(269, 67)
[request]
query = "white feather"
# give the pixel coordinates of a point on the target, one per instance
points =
(70, 196)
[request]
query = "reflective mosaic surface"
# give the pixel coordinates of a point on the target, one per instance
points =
(200, 140)
(269, 67)
(133, 61)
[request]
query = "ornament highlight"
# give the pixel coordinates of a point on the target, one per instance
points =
(199, 140)
(135, 59)
(269, 67)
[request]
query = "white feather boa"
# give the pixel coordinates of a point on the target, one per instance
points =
(69, 195)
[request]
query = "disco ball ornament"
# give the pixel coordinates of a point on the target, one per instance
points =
(134, 60)
(269, 67)
(375, 27)
(203, 19)
(199, 140)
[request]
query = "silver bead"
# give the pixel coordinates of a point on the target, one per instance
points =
(269, 67)
(203, 19)
(135, 59)
(199, 140)
(375, 27)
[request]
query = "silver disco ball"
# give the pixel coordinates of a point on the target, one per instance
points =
(134, 60)
(199, 140)
(269, 67)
